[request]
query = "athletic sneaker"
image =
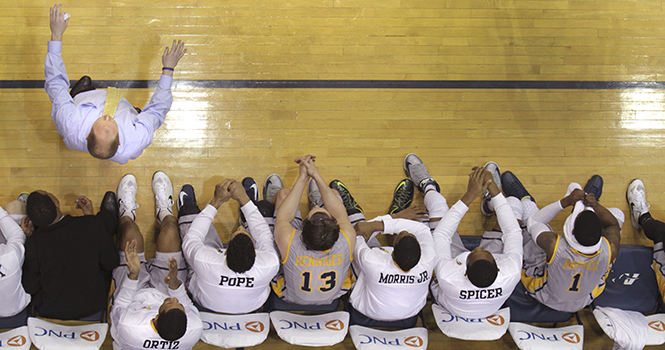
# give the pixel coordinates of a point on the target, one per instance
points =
(416, 171)
(251, 188)
(23, 197)
(350, 204)
(496, 175)
(271, 186)
(126, 193)
(595, 186)
(637, 201)
(402, 196)
(512, 187)
(314, 194)
(163, 190)
(186, 204)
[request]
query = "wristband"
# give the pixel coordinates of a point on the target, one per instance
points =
(167, 68)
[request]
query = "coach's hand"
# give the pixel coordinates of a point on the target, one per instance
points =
(58, 23)
(133, 262)
(170, 58)
(171, 279)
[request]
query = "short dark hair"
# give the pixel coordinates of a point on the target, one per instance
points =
(240, 253)
(320, 232)
(40, 209)
(587, 229)
(95, 149)
(406, 253)
(172, 324)
(482, 273)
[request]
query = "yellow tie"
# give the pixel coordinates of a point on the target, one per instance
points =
(112, 101)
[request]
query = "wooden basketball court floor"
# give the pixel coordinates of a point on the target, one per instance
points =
(553, 90)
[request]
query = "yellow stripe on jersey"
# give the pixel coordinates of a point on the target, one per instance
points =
(278, 286)
(556, 246)
(349, 241)
(288, 248)
(533, 283)
(600, 288)
(112, 101)
(660, 279)
(349, 281)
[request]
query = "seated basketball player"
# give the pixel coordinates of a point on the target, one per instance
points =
(150, 305)
(12, 254)
(470, 284)
(68, 259)
(235, 279)
(316, 251)
(392, 282)
(569, 270)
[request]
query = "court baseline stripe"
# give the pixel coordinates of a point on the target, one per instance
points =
(358, 84)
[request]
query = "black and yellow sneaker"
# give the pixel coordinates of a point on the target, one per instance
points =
(402, 196)
(349, 203)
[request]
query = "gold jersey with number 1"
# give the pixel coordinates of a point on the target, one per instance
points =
(572, 279)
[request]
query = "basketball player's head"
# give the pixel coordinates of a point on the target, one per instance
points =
(103, 140)
(319, 230)
(587, 229)
(240, 254)
(171, 322)
(481, 268)
(406, 251)
(42, 208)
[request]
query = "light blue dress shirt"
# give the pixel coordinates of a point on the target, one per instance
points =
(73, 117)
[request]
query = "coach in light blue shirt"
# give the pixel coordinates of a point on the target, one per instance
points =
(80, 120)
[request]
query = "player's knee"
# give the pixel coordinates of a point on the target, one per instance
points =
(15, 207)
(281, 196)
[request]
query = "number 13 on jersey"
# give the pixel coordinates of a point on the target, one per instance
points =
(329, 279)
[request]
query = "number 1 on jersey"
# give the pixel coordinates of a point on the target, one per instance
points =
(575, 285)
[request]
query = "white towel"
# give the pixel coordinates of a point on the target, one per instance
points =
(570, 224)
(628, 329)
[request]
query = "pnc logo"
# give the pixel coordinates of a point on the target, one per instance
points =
(657, 325)
(335, 325)
(255, 326)
(496, 320)
(414, 341)
(571, 338)
(17, 340)
(90, 335)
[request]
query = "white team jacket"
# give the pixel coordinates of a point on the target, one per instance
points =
(215, 286)
(14, 298)
(383, 291)
(455, 292)
(133, 310)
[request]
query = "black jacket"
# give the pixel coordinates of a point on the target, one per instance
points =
(67, 266)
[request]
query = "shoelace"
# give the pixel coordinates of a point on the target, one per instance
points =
(161, 198)
(349, 202)
(640, 200)
(402, 199)
(128, 204)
